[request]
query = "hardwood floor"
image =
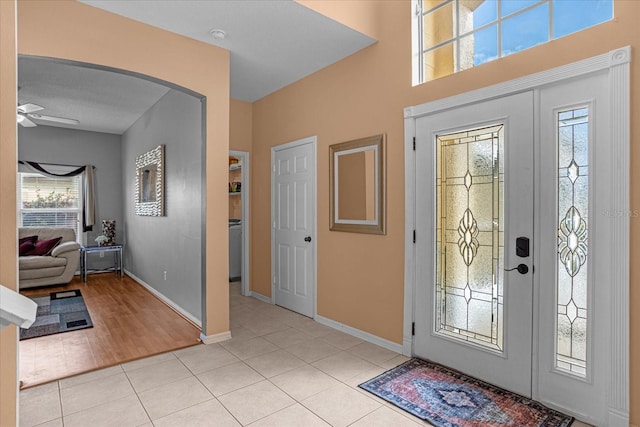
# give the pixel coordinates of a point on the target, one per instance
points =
(128, 323)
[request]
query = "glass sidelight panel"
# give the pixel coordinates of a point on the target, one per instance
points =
(470, 235)
(573, 199)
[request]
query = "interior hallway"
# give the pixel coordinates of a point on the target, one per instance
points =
(280, 369)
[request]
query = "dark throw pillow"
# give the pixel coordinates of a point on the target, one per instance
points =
(26, 247)
(30, 239)
(44, 247)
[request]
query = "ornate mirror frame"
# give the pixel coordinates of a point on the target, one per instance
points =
(150, 183)
(373, 183)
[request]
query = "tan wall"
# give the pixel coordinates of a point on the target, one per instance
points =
(240, 127)
(8, 228)
(360, 277)
(74, 31)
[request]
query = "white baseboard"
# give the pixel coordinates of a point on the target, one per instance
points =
(366, 336)
(618, 419)
(166, 300)
(260, 297)
(210, 339)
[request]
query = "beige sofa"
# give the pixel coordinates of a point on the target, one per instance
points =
(56, 268)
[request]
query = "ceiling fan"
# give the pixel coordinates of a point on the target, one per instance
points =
(28, 111)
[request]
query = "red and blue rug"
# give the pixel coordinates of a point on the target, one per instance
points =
(447, 398)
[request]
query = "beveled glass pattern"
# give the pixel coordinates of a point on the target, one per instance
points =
(573, 199)
(470, 235)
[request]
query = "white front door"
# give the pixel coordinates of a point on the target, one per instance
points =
(293, 222)
(474, 198)
(525, 180)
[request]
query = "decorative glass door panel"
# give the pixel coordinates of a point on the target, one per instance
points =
(474, 198)
(470, 235)
(573, 206)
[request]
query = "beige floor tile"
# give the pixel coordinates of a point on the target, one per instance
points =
(372, 353)
(384, 417)
(577, 423)
(365, 375)
(158, 374)
(39, 405)
(304, 382)
(53, 423)
(313, 328)
(341, 340)
(229, 378)
(240, 332)
(265, 325)
(293, 416)
(331, 405)
(265, 399)
(274, 363)
(169, 398)
(287, 338)
(244, 349)
(313, 350)
(207, 357)
(343, 366)
(94, 393)
(205, 414)
(148, 361)
(85, 378)
(392, 363)
(125, 412)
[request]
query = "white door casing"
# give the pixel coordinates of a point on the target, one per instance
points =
(245, 200)
(509, 367)
(293, 202)
(612, 363)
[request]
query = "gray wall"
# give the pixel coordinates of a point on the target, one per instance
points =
(171, 243)
(47, 144)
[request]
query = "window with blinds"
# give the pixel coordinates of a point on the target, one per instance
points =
(50, 202)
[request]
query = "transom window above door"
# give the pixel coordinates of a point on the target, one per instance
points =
(455, 35)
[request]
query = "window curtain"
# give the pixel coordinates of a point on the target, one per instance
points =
(88, 192)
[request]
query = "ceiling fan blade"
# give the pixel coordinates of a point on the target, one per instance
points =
(54, 119)
(29, 108)
(25, 122)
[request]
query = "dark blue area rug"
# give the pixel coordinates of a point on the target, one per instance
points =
(58, 312)
(447, 398)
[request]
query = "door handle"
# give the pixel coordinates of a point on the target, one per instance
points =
(307, 239)
(522, 269)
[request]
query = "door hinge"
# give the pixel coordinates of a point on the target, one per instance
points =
(413, 329)
(414, 236)
(414, 143)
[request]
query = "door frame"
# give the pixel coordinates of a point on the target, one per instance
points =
(617, 62)
(245, 288)
(313, 140)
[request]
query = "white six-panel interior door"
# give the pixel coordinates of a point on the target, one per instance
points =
(293, 258)
(532, 173)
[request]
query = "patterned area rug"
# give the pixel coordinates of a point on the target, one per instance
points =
(58, 312)
(447, 398)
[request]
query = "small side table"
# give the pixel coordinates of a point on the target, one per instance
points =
(117, 259)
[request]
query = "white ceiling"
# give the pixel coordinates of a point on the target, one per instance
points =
(273, 43)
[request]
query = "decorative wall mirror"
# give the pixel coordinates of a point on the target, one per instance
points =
(150, 182)
(357, 185)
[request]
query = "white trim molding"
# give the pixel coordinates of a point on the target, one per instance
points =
(617, 63)
(619, 110)
(365, 336)
(165, 300)
(212, 339)
(261, 297)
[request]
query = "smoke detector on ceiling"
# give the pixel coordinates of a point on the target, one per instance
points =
(218, 34)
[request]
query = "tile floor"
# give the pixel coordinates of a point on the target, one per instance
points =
(280, 369)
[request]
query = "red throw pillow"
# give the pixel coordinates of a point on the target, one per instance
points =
(26, 247)
(30, 239)
(44, 247)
